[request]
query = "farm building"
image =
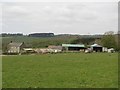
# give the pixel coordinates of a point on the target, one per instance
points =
(97, 48)
(55, 48)
(15, 48)
(105, 49)
(42, 50)
(74, 47)
(111, 50)
(29, 50)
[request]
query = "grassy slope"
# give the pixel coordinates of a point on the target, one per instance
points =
(39, 41)
(61, 70)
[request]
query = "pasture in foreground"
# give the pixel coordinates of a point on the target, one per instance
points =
(65, 70)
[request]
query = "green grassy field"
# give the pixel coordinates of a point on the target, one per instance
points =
(66, 70)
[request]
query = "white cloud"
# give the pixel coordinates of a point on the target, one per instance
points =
(59, 0)
(60, 17)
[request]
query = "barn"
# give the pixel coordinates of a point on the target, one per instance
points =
(96, 48)
(74, 47)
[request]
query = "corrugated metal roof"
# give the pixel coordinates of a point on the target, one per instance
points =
(73, 45)
(96, 45)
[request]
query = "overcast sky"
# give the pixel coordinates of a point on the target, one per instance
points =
(60, 17)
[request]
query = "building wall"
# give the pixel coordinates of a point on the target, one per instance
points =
(14, 49)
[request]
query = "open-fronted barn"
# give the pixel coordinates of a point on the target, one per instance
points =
(74, 47)
(97, 48)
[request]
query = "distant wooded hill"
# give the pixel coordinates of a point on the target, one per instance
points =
(47, 35)
(9, 34)
(41, 35)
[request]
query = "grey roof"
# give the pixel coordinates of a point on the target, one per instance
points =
(15, 44)
(55, 47)
(96, 45)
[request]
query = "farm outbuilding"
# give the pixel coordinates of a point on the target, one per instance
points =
(55, 48)
(42, 50)
(74, 47)
(111, 50)
(96, 48)
(29, 50)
